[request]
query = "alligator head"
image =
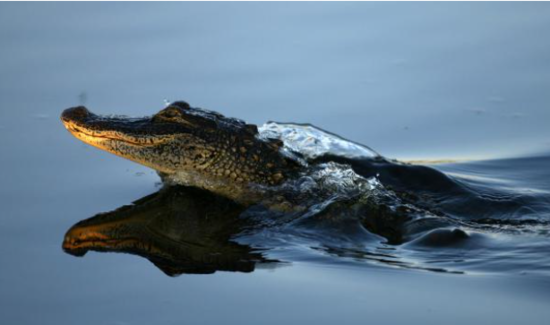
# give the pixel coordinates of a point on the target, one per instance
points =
(188, 146)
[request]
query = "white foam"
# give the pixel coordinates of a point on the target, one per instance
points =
(312, 142)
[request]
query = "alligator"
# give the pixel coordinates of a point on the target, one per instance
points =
(191, 146)
(225, 156)
(233, 191)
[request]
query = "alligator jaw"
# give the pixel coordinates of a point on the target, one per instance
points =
(130, 138)
(94, 129)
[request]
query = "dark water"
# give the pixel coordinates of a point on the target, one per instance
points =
(416, 81)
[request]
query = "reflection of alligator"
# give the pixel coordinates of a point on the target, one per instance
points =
(179, 229)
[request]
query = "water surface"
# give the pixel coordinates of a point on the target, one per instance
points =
(412, 81)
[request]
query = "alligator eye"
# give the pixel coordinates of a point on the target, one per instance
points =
(170, 112)
(181, 104)
(174, 114)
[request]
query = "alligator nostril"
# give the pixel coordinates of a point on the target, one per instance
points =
(75, 113)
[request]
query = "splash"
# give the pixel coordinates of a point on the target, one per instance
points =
(312, 142)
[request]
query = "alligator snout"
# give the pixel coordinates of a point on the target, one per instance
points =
(73, 114)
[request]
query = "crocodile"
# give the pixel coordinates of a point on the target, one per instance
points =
(191, 146)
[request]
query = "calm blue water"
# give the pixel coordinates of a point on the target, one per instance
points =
(413, 81)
